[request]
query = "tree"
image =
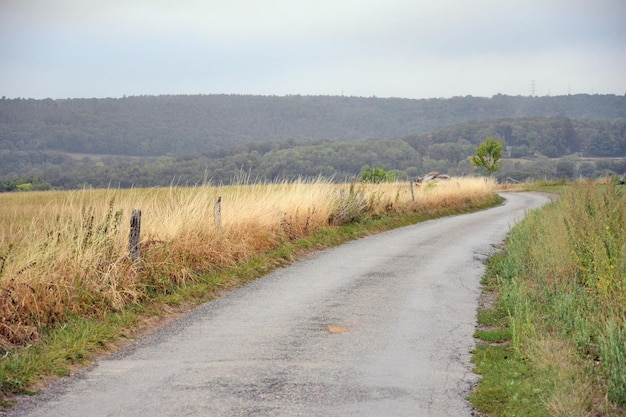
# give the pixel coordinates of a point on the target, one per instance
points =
(566, 168)
(489, 155)
(376, 175)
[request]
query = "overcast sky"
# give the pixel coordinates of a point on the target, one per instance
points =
(383, 48)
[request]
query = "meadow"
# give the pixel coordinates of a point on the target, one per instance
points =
(64, 255)
(554, 342)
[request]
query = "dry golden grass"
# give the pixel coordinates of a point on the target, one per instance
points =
(570, 393)
(65, 253)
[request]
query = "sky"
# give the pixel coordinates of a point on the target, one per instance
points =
(384, 48)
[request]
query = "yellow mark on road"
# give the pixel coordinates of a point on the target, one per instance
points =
(336, 329)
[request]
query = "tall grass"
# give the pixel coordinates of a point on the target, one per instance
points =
(64, 254)
(563, 284)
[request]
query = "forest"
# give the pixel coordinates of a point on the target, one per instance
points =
(160, 140)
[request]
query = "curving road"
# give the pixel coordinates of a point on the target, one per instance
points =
(378, 327)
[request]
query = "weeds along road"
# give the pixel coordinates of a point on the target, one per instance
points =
(378, 327)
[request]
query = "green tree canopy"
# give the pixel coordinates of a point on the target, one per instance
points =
(376, 175)
(489, 155)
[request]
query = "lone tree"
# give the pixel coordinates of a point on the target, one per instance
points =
(489, 155)
(376, 175)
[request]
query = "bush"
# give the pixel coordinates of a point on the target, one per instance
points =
(376, 175)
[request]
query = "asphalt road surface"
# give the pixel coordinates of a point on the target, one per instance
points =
(378, 327)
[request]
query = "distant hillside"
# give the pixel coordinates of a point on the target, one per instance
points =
(530, 143)
(191, 125)
(154, 141)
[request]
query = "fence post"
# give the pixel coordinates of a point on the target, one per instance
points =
(412, 192)
(134, 236)
(217, 213)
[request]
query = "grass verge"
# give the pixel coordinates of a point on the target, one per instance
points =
(554, 341)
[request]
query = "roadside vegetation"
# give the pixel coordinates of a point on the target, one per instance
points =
(69, 289)
(553, 343)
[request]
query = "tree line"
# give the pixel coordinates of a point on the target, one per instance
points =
(446, 150)
(532, 144)
(152, 126)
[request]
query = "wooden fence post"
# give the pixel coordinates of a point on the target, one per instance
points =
(217, 213)
(134, 236)
(412, 192)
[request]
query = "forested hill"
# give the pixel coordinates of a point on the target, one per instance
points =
(189, 125)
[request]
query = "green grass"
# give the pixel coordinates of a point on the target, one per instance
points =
(507, 387)
(492, 317)
(494, 335)
(560, 319)
(79, 340)
(75, 342)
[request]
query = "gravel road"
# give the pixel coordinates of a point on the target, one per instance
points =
(378, 327)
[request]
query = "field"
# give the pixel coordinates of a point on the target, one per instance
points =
(64, 256)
